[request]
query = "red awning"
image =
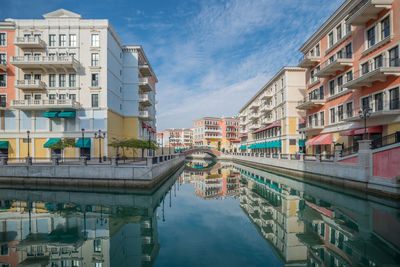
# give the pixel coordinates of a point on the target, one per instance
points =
(277, 124)
(323, 139)
(375, 129)
(347, 133)
(153, 130)
(235, 140)
(144, 125)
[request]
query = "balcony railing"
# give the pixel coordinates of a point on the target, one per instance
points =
(30, 42)
(30, 84)
(307, 61)
(266, 108)
(340, 61)
(314, 125)
(310, 102)
(145, 115)
(374, 71)
(145, 69)
(267, 94)
(367, 10)
(267, 120)
(144, 99)
(378, 108)
(45, 61)
(145, 84)
(42, 104)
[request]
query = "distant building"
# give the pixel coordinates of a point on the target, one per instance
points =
(177, 138)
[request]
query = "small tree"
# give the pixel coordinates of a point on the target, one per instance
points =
(63, 143)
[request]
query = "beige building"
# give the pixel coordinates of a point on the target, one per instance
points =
(269, 121)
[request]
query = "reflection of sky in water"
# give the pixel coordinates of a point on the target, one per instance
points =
(209, 233)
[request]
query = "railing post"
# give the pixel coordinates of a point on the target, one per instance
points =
(149, 162)
(114, 161)
(4, 161)
(302, 157)
(28, 161)
(54, 161)
(364, 156)
(338, 153)
(83, 161)
(318, 157)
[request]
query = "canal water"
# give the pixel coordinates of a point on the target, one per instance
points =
(206, 214)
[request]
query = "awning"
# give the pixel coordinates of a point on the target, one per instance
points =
(277, 124)
(323, 139)
(52, 114)
(243, 135)
(253, 146)
(375, 129)
(347, 133)
(51, 142)
(3, 144)
(242, 147)
(153, 130)
(144, 125)
(302, 142)
(67, 114)
(235, 140)
(80, 144)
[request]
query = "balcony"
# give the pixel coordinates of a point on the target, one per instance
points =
(267, 94)
(378, 109)
(45, 62)
(145, 85)
(367, 10)
(311, 102)
(307, 61)
(145, 69)
(255, 105)
(330, 67)
(144, 99)
(3, 105)
(30, 84)
(145, 115)
(267, 120)
(314, 125)
(266, 108)
(3, 65)
(29, 42)
(255, 126)
(373, 72)
(211, 136)
(45, 104)
(254, 116)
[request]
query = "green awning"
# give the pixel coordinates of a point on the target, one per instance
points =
(67, 114)
(3, 144)
(260, 145)
(51, 114)
(243, 147)
(252, 146)
(302, 142)
(80, 143)
(51, 142)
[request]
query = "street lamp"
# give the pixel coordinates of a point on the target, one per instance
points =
(28, 132)
(83, 141)
(364, 114)
(169, 145)
(100, 135)
(162, 144)
(149, 131)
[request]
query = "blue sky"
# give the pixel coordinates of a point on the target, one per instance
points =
(210, 56)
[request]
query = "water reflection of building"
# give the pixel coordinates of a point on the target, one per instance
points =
(273, 210)
(350, 232)
(56, 229)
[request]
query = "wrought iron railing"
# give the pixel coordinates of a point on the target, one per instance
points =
(386, 140)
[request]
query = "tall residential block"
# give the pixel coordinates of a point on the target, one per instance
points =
(74, 77)
(177, 138)
(352, 64)
(269, 121)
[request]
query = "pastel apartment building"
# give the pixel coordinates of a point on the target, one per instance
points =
(352, 64)
(177, 138)
(217, 133)
(71, 74)
(269, 121)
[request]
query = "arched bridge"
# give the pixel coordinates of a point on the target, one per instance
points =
(210, 167)
(209, 151)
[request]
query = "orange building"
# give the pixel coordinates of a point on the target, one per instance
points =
(7, 71)
(352, 64)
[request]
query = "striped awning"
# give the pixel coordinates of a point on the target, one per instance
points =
(323, 139)
(375, 129)
(51, 142)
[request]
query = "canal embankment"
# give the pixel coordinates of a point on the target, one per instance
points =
(356, 172)
(114, 175)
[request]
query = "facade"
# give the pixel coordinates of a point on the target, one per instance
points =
(177, 138)
(352, 64)
(73, 74)
(269, 121)
(217, 133)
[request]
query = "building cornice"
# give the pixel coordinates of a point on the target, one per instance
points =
(7, 25)
(328, 25)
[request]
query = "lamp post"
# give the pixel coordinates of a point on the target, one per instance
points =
(169, 144)
(364, 114)
(83, 141)
(149, 131)
(28, 132)
(162, 144)
(99, 135)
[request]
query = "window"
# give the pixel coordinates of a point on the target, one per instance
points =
(332, 87)
(349, 50)
(72, 80)
(316, 122)
(339, 32)
(378, 61)
(394, 98)
(52, 40)
(378, 98)
(317, 51)
(322, 118)
(349, 76)
(97, 245)
(95, 80)
(95, 41)
(37, 97)
(37, 77)
(385, 28)
(3, 39)
(62, 40)
(394, 57)
(52, 80)
(4, 249)
(371, 37)
(95, 59)
(3, 80)
(52, 96)
(330, 39)
(3, 59)
(27, 97)
(365, 68)
(95, 100)
(340, 83)
(61, 80)
(321, 92)
(62, 96)
(349, 110)
(72, 40)
(310, 120)
(333, 117)
(340, 112)
(348, 28)
(3, 101)
(365, 103)
(333, 237)
(72, 96)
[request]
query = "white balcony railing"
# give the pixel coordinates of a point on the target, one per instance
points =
(30, 42)
(43, 61)
(42, 104)
(30, 84)
(145, 84)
